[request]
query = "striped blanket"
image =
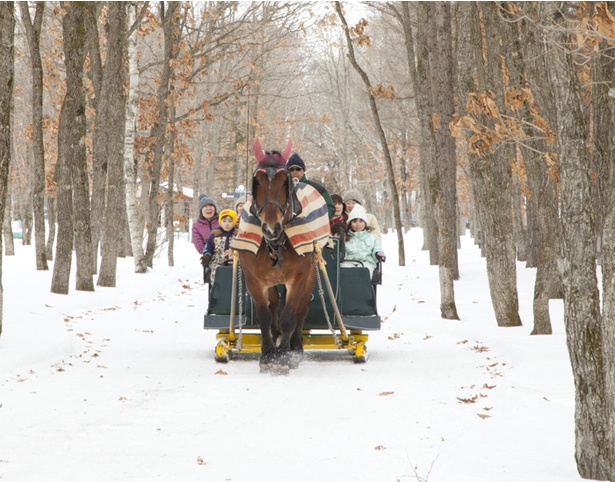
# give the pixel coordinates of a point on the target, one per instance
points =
(311, 225)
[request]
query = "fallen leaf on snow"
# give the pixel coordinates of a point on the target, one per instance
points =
(200, 461)
(384, 394)
(380, 447)
(221, 372)
(483, 415)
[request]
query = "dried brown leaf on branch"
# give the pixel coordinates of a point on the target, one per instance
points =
(383, 92)
(483, 103)
(358, 35)
(459, 123)
(484, 140)
(515, 98)
(553, 165)
(603, 21)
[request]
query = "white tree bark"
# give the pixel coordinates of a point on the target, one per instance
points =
(132, 209)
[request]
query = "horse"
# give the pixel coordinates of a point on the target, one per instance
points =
(268, 258)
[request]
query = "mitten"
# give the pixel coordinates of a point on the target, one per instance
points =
(205, 259)
(381, 256)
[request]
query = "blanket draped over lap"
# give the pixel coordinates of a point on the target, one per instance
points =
(309, 226)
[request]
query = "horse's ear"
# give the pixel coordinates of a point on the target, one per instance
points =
(258, 151)
(286, 152)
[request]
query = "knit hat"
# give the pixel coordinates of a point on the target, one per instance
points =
(354, 195)
(295, 160)
(205, 200)
(358, 212)
(228, 212)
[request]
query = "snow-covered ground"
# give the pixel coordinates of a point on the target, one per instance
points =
(121, 385)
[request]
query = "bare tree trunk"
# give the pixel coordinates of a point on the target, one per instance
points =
(111, 120)
(604, 154)
(71, 170)
(7, 225)
(490, 171)
(442, 171)
(581, 298)
(419, 76)
(51, 222)
(7, 73)
(519, 227)
(159, 130)
(169, 211)
(132, 209)
(381, 135)
(99, 147)
(33, 34)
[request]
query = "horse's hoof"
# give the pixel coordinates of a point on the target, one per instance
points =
(280, 369)
(265, 364)
(294, 361)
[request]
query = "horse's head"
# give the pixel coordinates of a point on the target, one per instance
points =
(271, 190)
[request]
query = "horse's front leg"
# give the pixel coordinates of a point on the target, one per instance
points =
(265, 321)
(291, 325)
(274, 302)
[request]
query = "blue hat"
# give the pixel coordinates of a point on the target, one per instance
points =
(295, 160)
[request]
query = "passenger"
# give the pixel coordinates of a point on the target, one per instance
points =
(352, 197)
(362, 246)
(296, 167)
(239, 208)
(338, 222)
(217, 251)
(206, 222)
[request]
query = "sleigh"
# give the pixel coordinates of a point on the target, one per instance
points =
(341, 323)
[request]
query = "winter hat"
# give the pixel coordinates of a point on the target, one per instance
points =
(295, 160)
(358, 212)
(227, 212)
(205, 200)
(354, 195)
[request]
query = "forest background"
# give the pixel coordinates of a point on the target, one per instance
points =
(499, 115)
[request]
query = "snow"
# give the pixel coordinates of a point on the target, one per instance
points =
(121, 385)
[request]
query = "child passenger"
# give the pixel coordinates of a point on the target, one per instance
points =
(217, 249)
(362, 245)
(338, 222)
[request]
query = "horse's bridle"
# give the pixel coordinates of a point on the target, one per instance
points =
(256, 210)
(275, 246)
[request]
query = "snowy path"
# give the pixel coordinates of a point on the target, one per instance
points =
(122, 385)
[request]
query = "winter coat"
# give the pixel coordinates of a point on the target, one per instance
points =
(362, 246)
(342, 218)
(201, 230)
(218, 243)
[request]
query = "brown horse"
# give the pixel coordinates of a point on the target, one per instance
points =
(274, 204)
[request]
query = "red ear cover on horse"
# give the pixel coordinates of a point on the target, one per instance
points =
(261, 156)
(258, 151)
(286, 152)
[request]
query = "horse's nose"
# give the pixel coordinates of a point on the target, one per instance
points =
(272, 233)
